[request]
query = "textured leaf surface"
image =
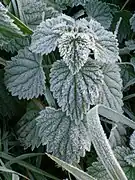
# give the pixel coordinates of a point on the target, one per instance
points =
(132, 141)
(75, 48)
(99, 11)
(130, 44)
(117, 136)
(63, 4)
(45, 37)
(127, 73)
(33, 12)
(66, 140)
(110, 94)
(106, 46)
(100, 142)
(98, 171)
(24, 75)
(132, 22)
(27, 130)
(16, 44)
(75, 93)
(79, 174)
(130, 159)
(8, 29)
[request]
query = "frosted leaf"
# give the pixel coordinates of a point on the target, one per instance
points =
(110, 93)
(76, 172)
(98, 171)
(27, 130)
(45, 37)
(75, 93)
(106, 46)
(99, 11)
(132, 22)
(33, 11)
(24, 75)
(63, 3)
(132, 141)
(66, 140)
(130, 159)
(8, 30)
(117, 136)
(130, 44)
(16, 44)
(75, 48)
(79, 2)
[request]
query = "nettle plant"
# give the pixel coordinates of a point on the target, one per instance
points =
(65, 59)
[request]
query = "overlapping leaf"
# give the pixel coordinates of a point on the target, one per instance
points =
(132, 22)
(16, 44)
(8, 29)
(124, 28)
(110, 94)
(27, 130)
(66, 140)
(106, 46)
(76, 172)
(63, 4)
(98, 171)
(24, 75)
(99, 11)
(45, 37)
(76, 40)
(33, 12)
(75, 48)
(75, 93)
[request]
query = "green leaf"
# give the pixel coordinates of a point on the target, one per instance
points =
(79, 174)
(124, 28)
(75, 48)
(33, 12)
(127, 73)
(8, 104)
(132, 22)
(24, 75)
(75, 93)
(8, 29)
(99, 11)
(111, 94)
(27, 130)
(65, 139)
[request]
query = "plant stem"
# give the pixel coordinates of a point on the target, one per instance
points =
(20, 24)
(127, 1)
(3, 61)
